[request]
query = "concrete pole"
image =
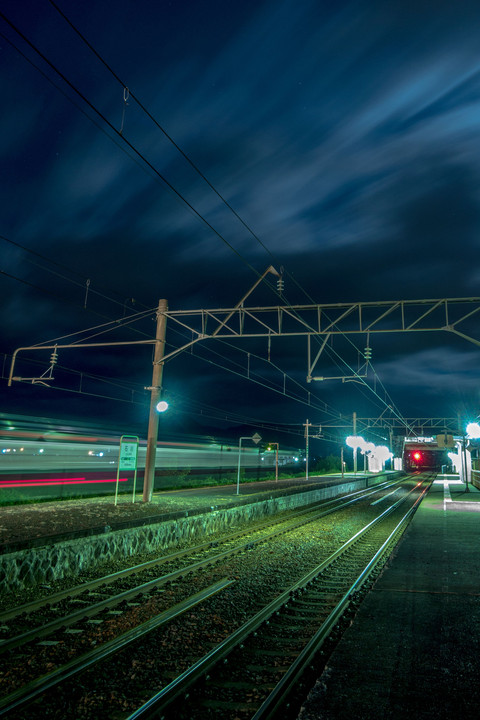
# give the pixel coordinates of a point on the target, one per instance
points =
(465, 464)
(307, 424)
(154, 398)
(355, 448)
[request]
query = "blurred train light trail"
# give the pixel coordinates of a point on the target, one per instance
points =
(56, 481)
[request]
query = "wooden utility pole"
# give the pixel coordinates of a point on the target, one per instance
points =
(155, 389)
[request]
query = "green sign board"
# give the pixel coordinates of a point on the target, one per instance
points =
(128, 455)
(127, 460)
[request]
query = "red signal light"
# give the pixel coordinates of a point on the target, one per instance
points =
(417, 455)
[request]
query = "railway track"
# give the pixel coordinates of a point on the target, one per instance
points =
(39, 619)
(251, 675)
(173, 607)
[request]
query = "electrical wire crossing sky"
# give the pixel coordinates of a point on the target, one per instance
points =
(179, 150)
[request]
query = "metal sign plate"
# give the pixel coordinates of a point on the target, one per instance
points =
(128, 455)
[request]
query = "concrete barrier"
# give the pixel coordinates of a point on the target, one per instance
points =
(67, 559)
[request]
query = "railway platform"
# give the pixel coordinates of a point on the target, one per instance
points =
(33, 524)
(413, 648)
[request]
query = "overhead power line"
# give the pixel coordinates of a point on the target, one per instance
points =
(132, 96)
(63, 267)
(141, 155)
(130, 145)
(141, 105)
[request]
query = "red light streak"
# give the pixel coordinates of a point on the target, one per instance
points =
(55, 481)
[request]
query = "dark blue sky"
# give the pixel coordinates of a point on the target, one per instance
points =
(345, 135)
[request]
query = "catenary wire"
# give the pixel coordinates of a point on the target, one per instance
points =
(194, 166)
(126, 141)
(144, 159)
(141, 105)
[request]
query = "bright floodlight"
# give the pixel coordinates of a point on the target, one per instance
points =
(162, 406)
(382, 453)
(473, 430)
(456, 460)
(355, 441)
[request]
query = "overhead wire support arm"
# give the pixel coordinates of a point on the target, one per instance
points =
(56, 347)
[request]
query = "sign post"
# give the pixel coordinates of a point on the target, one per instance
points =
(256, 439)
(127, 460)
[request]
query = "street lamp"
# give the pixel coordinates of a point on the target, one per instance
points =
(380, 454)
(367, 451)
(355, 442)
(472, 433)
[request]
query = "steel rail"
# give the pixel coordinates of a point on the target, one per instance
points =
(278, 696)
(29, 692)
(94, 609)
(179, 686)
(76, 590)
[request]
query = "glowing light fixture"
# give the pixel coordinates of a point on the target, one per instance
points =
(382, 453)
(162, 406)
(456, 460)
(473, 431)
(355, 441)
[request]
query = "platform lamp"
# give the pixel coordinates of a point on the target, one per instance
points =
(355, 442)
(473, 433)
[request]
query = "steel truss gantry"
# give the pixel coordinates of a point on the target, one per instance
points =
(328, 320)
(415, 425)
(319, 320)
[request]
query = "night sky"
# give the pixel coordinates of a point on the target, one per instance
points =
(177, 149)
